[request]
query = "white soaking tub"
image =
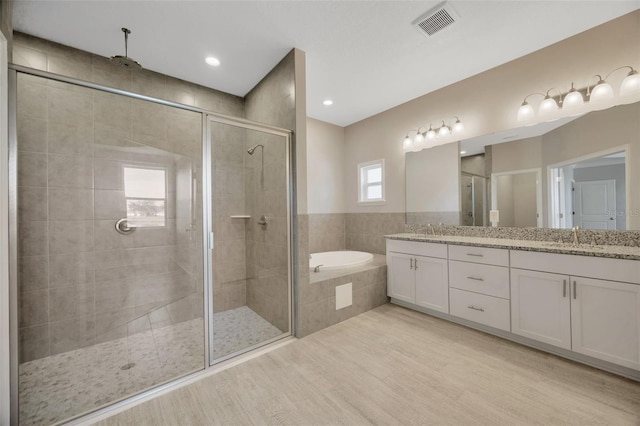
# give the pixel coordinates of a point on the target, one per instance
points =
(334, 260)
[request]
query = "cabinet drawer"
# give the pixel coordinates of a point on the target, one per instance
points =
(479, 308)
(488, 256)
(485, 279)
(418, 248)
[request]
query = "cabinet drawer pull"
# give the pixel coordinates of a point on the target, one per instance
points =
(575, 293)
(415, 264)
(476, 279)
(410, 263)
(475, 255)
(475, 309)
(564, 288)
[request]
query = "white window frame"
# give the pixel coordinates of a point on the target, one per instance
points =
(363, 185)
(166, 192)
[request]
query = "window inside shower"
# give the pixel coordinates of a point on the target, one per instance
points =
(145, 196)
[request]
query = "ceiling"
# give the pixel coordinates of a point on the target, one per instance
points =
(364, 55)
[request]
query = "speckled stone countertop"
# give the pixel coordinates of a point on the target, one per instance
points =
(610, 251)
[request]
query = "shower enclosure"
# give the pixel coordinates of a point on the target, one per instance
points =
(149, 243)
(474, 200)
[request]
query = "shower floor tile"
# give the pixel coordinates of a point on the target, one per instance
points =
(239, 328)
(61, 386)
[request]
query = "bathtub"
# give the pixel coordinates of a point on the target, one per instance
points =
(333, 260)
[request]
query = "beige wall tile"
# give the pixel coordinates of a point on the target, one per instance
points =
(108, 174)
(33, 273)
(67, 61)
(70, 172)
(32, 169)
(34, 343)
(71, 302)
(71, 236)
(32, 134)
(32, 99)
(34, 238)
(70, 138)
(32, 204)
(109, 204)
(33, 308)
(70, 204)
(70, 334)
(70, 269)
(69, 106)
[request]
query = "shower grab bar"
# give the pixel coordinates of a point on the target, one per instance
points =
(123, 228)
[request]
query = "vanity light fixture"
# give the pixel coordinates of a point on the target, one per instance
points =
(422, 140)
(599, 96)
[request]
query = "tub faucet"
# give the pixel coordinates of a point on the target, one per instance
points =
(317, 268)
(574, 232)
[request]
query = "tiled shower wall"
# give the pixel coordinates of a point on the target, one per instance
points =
(274, 101)
(80, 281)
(229, 175)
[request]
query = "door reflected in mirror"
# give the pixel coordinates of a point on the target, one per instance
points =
(590, 193)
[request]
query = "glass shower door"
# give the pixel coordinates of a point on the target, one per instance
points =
(110, 273)
(250, 221)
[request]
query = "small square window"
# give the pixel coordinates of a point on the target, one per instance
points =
(371, 182)
(145, 194)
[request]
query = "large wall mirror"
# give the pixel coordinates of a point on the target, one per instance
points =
(577, 171)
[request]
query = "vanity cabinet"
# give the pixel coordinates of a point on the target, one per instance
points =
(592, 316)
(541, 307)
(479, 285)
(605, 320)
(417, 278)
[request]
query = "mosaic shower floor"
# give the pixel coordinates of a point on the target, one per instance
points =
(58, 387)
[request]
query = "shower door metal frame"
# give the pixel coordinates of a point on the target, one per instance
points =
(209, 237)
(206, 115)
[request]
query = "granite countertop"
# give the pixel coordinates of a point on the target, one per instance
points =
(615, 252)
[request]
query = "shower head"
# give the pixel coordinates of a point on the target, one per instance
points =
(250, 151)
(125, 61)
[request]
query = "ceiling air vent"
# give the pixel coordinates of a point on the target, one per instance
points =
(436, 20)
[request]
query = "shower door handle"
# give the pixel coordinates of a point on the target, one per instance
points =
(123, 228)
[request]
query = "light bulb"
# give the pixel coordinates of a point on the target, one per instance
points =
(431, 134)
(573, 102)
(548, 109)
(601, 96)
(526, 113)
(419, 138)
(407, 144)
(630, 88)
(444, 131)
(458, 127)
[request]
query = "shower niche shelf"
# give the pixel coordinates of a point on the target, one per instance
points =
(240, 216)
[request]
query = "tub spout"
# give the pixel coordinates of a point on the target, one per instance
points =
(317, 268)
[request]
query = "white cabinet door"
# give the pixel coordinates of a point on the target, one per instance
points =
(432, 283)
(605, 320)
(541, 307)
(401, 277)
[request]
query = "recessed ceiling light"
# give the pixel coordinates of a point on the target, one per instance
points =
(327, 102)
(463, 152)
(214, 62)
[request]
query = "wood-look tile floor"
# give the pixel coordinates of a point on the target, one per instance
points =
(395, 366)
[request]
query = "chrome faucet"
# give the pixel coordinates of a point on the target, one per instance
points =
(574, 232)
(430, 227)
(317, 268)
